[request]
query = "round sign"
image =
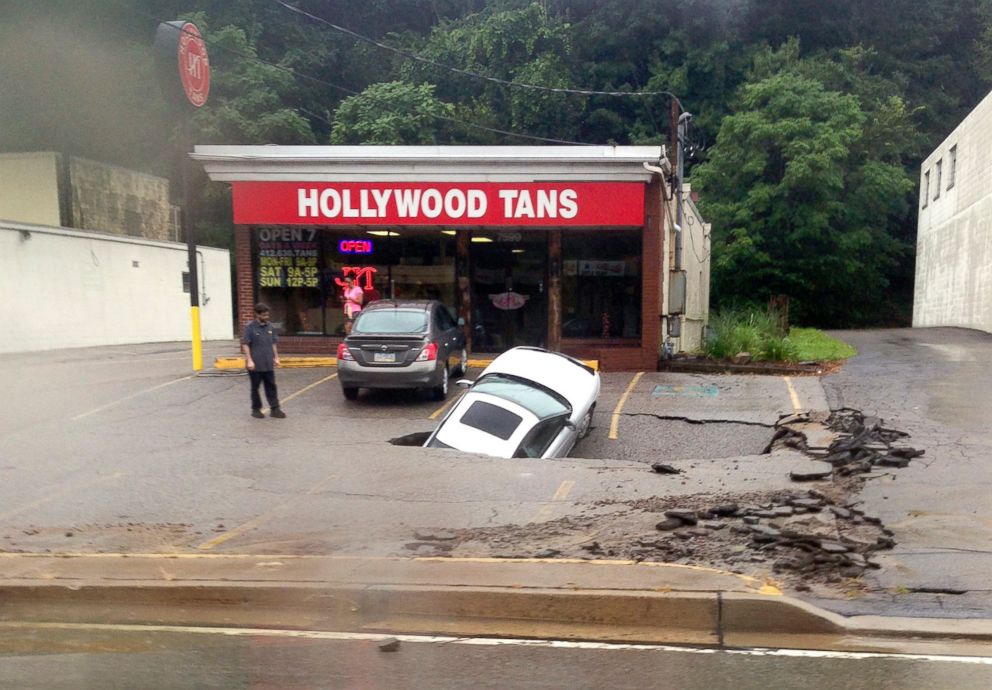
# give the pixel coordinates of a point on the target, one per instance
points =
(194, 67)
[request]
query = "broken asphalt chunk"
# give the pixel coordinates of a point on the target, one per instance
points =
(688, 517)
(669, 524)
(389, 644)
(810, 470)
(662, 468)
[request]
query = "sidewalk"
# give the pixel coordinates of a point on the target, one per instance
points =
(562, 599)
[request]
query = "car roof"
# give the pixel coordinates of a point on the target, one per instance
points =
(566, 376)
(466, 438)
(413, 304)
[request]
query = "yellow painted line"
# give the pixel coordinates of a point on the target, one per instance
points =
(263, 518)
(265, 410)
(796, 405)
(439, 411)
(761, 585)
(60, 493)
(130, 397)
(284, 362)
(560, 495)
(615, 422)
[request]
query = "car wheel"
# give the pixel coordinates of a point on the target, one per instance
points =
(440, 392)
(463, 367)
(585, 425)
(350, 393)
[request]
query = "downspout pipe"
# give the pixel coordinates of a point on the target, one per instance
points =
(683, 128)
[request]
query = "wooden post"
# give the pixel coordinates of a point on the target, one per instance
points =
(554, 290)
(463, 283)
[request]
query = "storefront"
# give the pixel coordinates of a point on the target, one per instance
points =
(559, 247)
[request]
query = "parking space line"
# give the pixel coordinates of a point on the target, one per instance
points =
(439, 411)
(264, 517)
(560, 495)
(60, 493)
(130, 397)
(796, 405)
(304, 390)
(615, 422)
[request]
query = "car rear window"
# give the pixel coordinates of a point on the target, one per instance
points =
(492, 419)
(532, 398)
(391, 321)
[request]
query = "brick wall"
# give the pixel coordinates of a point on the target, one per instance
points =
(243, 276)
(652, 275)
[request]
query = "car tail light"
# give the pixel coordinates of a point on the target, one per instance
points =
(344, 353)
(428, 354)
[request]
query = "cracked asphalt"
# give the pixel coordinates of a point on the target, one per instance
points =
(120, 450)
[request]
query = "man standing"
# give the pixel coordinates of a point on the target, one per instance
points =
(261, 359)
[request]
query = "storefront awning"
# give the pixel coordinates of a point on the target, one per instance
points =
(429, 163)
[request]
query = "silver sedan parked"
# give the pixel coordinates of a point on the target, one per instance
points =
(402, 344)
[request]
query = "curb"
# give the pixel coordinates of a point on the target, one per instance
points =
(709, 366)
(587, 601)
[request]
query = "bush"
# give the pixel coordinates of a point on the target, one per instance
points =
(732, 331)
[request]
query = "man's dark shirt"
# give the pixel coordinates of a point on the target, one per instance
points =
(260, 338)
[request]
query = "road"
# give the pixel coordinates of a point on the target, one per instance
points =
(935, 384)
(71, 657)
(120, 450)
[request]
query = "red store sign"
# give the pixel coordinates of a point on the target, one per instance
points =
(439, 203)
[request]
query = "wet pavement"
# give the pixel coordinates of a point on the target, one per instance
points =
(119, 450)
(54, 657)
(935, 384)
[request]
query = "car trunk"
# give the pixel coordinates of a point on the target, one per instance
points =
(392, 350)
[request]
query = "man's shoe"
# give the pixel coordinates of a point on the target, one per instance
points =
(257, 414)
(277, 413)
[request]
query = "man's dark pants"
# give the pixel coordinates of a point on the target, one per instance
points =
(268, 378)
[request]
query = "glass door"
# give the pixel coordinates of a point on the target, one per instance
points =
(509, 289)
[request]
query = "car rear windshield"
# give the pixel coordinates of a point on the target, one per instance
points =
(492, 419)
(391, 321)
(537, 400)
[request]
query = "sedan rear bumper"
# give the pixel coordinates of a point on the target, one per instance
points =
(414, 375)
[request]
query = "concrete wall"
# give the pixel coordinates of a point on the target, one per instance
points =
(696, 260)
(119, 201)
(29, 191)
(63, 288)
(954, 239)
(696, 263)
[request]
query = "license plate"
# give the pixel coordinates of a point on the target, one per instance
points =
(384, 357)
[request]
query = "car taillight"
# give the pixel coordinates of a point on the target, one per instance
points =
(344, 353)
(428, 354)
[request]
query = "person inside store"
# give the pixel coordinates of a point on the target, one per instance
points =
(353, 297)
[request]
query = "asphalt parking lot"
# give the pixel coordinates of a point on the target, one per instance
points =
(121, 450)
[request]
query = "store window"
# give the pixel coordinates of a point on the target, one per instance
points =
(601, 284)
(300, 272)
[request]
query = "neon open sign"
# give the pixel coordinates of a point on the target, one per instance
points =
(355, 246)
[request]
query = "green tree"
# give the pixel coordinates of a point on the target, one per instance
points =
(390, 113)
(802, 201)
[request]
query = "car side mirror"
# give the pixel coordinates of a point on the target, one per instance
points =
(464, 383)
(570, 426)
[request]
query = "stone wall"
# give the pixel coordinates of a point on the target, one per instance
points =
(119, 201)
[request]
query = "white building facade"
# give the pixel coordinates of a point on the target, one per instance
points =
(954, 239)
(68, 288)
